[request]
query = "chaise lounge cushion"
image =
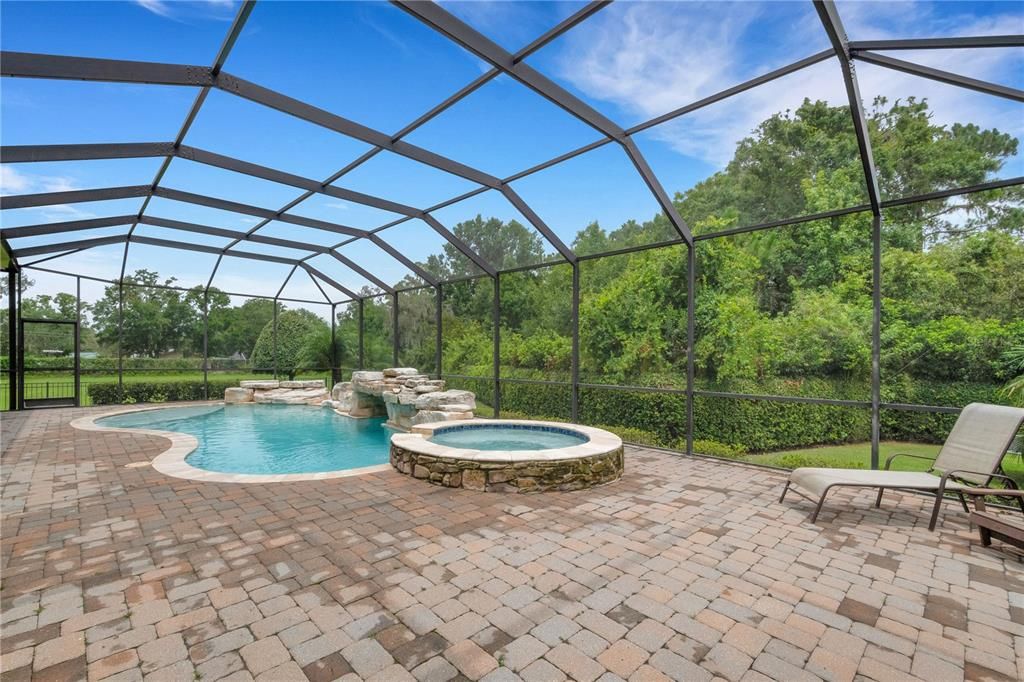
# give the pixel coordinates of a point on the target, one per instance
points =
(817, 481)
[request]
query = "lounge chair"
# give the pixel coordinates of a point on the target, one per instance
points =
(972, 454)
(998, 526)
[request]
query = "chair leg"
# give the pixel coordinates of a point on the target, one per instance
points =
(935, 511)
(878, 500)
(784, 491)
(986, 536)
(963, 502)
(814, 515)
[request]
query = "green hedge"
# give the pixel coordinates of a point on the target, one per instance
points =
(752, 425)
(154, 392)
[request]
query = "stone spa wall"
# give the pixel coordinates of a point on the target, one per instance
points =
(523, 477)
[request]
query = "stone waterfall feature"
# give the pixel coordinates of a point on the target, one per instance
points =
(404, 395)
(308, 392)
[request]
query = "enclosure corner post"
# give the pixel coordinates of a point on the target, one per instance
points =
(78, 341)
(120, 337)
(496, 315)
(876, 337)
(275, 337)
(438, 335)
(691, 284)
(206, 342)
(362, 346)
(335, 370)
(394, 329)
(575, 360)
(13, 286)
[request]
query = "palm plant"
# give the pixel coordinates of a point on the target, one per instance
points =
(1014, 389)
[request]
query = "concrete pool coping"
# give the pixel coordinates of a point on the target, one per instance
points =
(171, 462)
(599, 442)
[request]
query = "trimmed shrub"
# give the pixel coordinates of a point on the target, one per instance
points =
(153, 392)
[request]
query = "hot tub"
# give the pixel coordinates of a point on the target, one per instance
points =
(508, 455)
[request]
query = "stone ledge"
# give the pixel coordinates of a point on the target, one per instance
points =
(599, 460)
(521, 477)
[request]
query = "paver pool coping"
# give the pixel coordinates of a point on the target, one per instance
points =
(599, 442)
(171, 462)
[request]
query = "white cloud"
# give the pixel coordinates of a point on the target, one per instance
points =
(340, 205)
(12, 181)
(176, 9)
(158, 7)
(653, 57)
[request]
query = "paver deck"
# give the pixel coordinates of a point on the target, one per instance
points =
(685, 569)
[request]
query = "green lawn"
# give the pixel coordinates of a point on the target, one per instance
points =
(858, 455)
(63, 381)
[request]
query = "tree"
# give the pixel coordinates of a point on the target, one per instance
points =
(155, 319)
(503, 245)
(293, 329)
(236, 329)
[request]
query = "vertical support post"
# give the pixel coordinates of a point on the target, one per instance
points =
(496, 315)
(13, 282)
(394, 329)
(78, 341)
(691, 284)
(120, 337)
(21, 350)
(438, 336)
(575, 341)
(876, 337)
(335, 370)
(275, 337)
(206, 344)
(362, 346)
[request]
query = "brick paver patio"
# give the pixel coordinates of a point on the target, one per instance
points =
(684, 570)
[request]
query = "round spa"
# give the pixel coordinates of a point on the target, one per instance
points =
(508, 455)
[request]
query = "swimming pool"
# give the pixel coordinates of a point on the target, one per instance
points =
(507, 437)
(267, 439)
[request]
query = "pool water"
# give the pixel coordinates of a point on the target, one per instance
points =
(510, 437)
(268, 439)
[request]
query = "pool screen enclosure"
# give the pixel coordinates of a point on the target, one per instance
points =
(377, 340)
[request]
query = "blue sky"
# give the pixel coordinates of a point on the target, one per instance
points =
(373, 63)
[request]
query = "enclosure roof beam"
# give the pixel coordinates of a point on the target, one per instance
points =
(941, 76)
(235, 207)
(283, 178)
(360, 270)
(28, 251)
(68, 226)
(833, 26)
(444, 22)
(82, 152)
(325, 119)
(73, 196)
(401, 258)
(813, 59)
(1015, 40)
(59, 67)
(535, 220)
(202, 248)
(459, 244)
(313, 271)
(33, 65)
(232, 234)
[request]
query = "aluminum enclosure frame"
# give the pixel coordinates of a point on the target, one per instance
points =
(845, 51)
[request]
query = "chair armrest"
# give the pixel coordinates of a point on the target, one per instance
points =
(890, 458)
(1002, 477)
(979, 494)
(996, 492)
